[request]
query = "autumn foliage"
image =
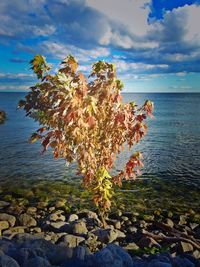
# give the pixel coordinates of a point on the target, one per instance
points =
(84, 120)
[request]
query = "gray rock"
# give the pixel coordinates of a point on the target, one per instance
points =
(112, 255)
(9, 218)
(37, 261)
(4, 225)
(182, 262)
(79, 227)
(106, 235)
(72, 241)
(27, 220)
(157, 263)
(6, 261)
(60, 255)
(73, 217)
(22, 237)
(196, 254)
(56, 216)
(193, 226)
(58, 226)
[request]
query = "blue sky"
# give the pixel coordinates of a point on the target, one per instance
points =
(155, 45)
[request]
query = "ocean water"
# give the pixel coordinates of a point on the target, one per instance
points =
(171, 148)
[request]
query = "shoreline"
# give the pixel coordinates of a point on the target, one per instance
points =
(32, 213)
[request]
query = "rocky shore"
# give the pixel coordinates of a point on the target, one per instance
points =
(49, 235)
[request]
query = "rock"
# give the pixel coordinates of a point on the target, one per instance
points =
(37, 261)
(27, 220)
(196, 254)
(108, 235)
(72, 241)
(157, 263)
(182, 262)
(73, 217)
(182, 220)
(6, 261)
(4, 204)
(9, 218)
(148, 242)
(58, 226)
(4, 225)
(60, 255)
(80, 253)
(131, 246)
(186, 247)
(112, 255)
(79, 227)
(194, 226)
(36, 230)
(117, 224)
(148, 217)
(60, 203)
(22, 237)
(56, 216)
(132, 229)
(31, 210)
(124, 218)
(170, 222)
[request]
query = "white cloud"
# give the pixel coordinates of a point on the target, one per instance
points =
(60, 51)
(132, 14)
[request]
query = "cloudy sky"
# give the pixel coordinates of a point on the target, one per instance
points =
(155, 44)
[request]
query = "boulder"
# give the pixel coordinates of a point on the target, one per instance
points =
(79, 227)
(148, 242)
(9, 218)
(27, 220)
(72, 241)
(6, 261)
(112, 255)
(37, 261)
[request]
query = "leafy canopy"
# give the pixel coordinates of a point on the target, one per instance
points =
(84, 120)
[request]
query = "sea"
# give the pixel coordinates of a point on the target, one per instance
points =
(171, 148)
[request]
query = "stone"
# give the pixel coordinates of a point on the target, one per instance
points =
(157, 263)
(31, 210)
(112, 255)
(73, 217)
(131, 246)
(4, 225)
(193, 226)
(182, 220)
(196, 254)
(6, 261)
(60, 255)
(182, 262)
(169, 222)
(4, 204)
(27, 220)
(9, 218)
(72, 241)
(56, 216)
(22, 237)
(132, 229)
(186, 247)
(148, 242)
(79, 227)
(37, 261)
(58, 226)
(109, 235)
(117, 224)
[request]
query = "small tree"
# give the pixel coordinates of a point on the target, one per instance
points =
(86, 121)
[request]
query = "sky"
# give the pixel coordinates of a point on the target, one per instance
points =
(155, 44)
